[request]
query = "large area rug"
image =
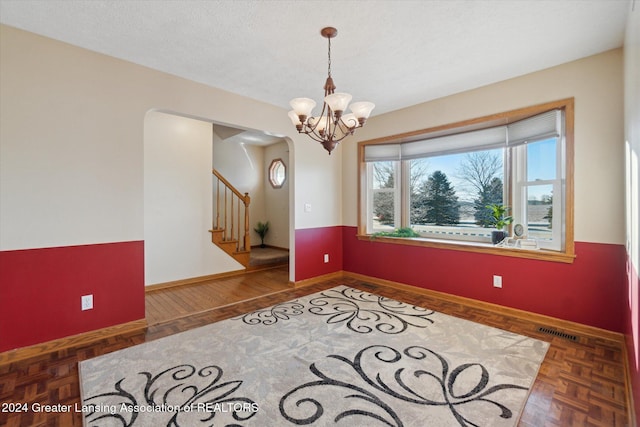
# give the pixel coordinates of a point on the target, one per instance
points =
(337, 357)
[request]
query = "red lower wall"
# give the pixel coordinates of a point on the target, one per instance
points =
(311, 245)
(590, 291)
(40, 290)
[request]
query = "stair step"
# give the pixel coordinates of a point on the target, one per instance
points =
(229, 246)
(242, 257)
(227, 242)
(218, 238)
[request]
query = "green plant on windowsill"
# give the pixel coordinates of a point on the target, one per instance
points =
(262, 229)
(398, 232)
(499, 219)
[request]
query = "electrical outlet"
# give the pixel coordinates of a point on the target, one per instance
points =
(326, 258)
(87, 302)
(497, 281)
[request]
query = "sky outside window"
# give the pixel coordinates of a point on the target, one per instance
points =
(541, 160)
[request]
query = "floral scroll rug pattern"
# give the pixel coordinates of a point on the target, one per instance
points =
(340, 357)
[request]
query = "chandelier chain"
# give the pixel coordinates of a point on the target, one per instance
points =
(329, 55)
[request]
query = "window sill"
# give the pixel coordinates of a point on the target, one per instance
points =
(485, 248)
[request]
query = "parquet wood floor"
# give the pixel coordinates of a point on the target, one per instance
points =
(579, 384)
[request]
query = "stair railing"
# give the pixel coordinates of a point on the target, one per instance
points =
(231, 209)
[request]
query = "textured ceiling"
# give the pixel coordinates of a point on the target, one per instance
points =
(393, 53)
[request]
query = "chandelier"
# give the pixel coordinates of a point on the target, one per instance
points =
(332, 125)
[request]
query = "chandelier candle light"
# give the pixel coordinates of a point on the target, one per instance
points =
(332, 126)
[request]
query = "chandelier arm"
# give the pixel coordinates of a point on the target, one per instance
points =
(325, 108)
(329, 135)
(345, 128)
(322, 139)
(330, 131)
(313, 122)
(345, 125)
(311, 134)
(336, 132)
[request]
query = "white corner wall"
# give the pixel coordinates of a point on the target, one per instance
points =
(319, 183)
(178, 200)
(277, 199)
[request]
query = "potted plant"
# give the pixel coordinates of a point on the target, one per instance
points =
(262, 229)
(499, 219)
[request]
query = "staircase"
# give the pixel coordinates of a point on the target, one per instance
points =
(230, 230)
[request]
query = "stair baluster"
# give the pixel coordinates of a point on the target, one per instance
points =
(229, 238)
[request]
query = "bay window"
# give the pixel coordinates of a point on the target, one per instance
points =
(440, 183)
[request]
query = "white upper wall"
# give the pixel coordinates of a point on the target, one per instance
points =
(178, 201)
(72, 125)
(595, 82)
(71, 143)
(318, 183)
(276, 199)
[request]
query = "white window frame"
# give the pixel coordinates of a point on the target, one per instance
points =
(520, 195)
(397, 204)
(559, 248)
(275, 166)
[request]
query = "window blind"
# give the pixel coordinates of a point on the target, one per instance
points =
(536, 128)
(381, 152)
(484, 139)
(541, 126)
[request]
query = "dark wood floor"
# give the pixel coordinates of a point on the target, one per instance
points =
(172, 303)
(580, 383)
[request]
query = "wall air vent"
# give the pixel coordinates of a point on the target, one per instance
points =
(560, 334)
